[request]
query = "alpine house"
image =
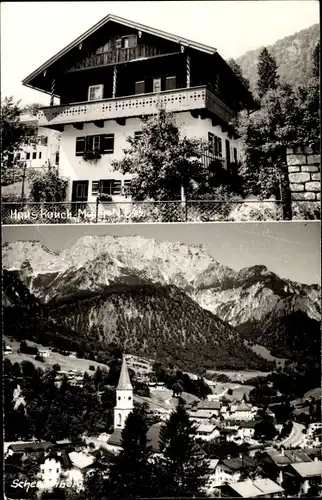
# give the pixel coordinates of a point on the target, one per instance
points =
(119, 71)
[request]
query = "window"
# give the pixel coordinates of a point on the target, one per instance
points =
(103, 143)
(140, 87)
(110, 186)
(49, 470)
(95, 92)
(57, 470)
(93, 142)
(235, 155)
(170, 82)
(137, 135)
(39, 155)
(34, 155)
(18, 156)
(95, 188)
(215, 145)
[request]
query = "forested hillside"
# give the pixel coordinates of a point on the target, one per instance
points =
(293, 55)
(162, 321)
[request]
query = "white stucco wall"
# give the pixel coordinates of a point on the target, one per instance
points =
(74, 167)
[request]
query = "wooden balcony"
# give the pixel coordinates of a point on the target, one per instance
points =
(117, 56)
(188, 99)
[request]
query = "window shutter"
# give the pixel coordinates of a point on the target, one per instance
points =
(118, 44)
(211, 145)
(139, 87)
(107, 144)
(116, 187)
(80, 146)
(170, 82)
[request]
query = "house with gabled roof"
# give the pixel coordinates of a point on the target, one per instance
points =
(119, 71)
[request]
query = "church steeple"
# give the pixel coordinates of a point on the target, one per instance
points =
(124, 380)
(124, 397)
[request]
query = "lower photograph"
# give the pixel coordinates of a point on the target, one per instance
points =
(162, 360)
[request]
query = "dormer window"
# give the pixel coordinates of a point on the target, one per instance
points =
(95, 92)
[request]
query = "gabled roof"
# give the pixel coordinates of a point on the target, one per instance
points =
(236, 464)
(124, 380)
(125, 22)
(33, 446)
(257, 488)
(289, 456)
(308, 469)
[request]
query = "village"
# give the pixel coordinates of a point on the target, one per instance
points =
(241, 463)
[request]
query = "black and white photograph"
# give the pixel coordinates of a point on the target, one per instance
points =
(161, 249)
(150, 361)
(160, 111)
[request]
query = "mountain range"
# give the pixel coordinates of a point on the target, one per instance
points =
(293, 54)
(147, 293)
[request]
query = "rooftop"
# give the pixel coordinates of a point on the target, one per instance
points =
(206, 428)
(33, 446)
(235, 464)
(308, 469)
(257, 488)
(124, 380)
(209, 405)
(289, 456)
(80, 460)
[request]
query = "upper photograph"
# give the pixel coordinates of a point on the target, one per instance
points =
(160, 112)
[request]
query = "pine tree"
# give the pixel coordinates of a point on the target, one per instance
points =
(183, 465)
(130, 474)
(267, 73)
(238, 72)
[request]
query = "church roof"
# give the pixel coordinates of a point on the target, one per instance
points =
(116, 438)
(124, 380)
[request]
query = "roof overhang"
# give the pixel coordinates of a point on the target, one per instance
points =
(125, 22)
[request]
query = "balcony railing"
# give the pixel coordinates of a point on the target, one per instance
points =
(117, 56)
(188, 99)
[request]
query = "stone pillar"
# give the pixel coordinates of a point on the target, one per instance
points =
(304, 174)
(114, 81)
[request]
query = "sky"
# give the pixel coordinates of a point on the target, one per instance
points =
(290, 249)
(32, 32)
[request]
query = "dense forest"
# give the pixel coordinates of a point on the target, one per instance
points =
(293, 54)
(162, 321)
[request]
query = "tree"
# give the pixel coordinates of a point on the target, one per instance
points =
(267, 73)
(47, 186)
(177, 389)
(238, 72)
(162, 161)
(130, 473)
(265, 430)
(14, 132)
(316, 61)
(183, 465)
